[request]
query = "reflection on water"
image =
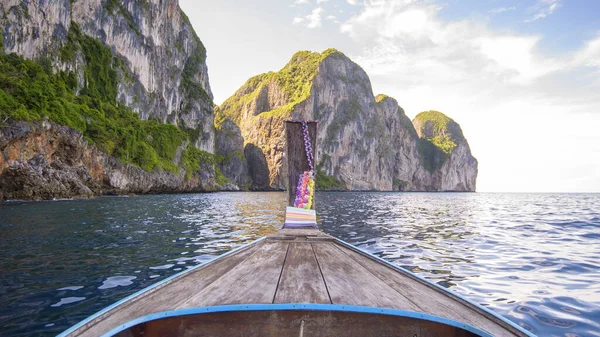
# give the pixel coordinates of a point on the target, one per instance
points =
(532, 258)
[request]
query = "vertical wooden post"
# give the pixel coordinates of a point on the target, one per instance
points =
(296, 154)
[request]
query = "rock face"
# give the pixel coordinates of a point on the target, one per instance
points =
(445, 153)
(40, 161)
(234, 163)
(364, 142)
(158, 69)
(163, 74)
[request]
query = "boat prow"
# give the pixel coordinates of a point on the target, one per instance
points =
(295, 282)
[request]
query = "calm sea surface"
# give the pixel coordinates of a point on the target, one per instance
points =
(533, 258)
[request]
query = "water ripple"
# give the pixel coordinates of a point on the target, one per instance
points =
(533, 258)
(117, 281)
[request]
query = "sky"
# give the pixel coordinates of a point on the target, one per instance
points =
(521, 77)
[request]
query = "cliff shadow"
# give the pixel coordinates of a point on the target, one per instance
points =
(257, 167)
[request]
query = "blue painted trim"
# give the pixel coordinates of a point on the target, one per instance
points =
(300, 307)
(446, 290)
(157, 284)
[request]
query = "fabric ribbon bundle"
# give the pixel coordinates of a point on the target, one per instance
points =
(305, 190)
(306, 183)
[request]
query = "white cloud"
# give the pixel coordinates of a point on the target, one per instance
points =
(516, 55)
(511, 100)
(314, 18)
(531, 118)
(589, 55)
(402, 35)
(352, 2)
(501, 10)
(544, 8)
(302, 2)
(333, 19)
(321, 1)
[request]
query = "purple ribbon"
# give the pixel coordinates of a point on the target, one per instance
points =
(302, 190)
(307, 147)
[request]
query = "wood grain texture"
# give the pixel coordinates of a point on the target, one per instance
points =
(350, 283)
(295, 266)
(301, 280)
(431, 300)
(299, 232)
(252, 281)
(296, 154)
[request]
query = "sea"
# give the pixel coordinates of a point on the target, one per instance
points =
(532, 258)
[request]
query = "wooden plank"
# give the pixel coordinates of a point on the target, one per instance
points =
(430, 300)
(299, 232)
(167, 296)
(301, 280)
(296, 154)
(252, 281)
(350, 283)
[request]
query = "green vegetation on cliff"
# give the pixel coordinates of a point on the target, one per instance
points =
(191, 69)
(399, 184)
(294, 80)
(193, 158)
(31, 91)
(381, 97)
(110, 7)
(324, 182)
(438, 128)
(439, 136)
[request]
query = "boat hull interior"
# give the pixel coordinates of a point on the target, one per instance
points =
(294, 323)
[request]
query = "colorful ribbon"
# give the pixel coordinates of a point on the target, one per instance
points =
(307, 147)
(306, 183)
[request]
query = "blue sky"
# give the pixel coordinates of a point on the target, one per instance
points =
(522, 78)
(566, 27)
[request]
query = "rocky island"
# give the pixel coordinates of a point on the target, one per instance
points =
(364, 142)
(113, 97)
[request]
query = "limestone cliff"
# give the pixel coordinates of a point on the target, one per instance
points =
(164, 73)
(42, 161)
(230, 144)
(444, 153)
(364, 142)
(107, 64)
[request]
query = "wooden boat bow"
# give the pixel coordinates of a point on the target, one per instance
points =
(301, 274)
(297, 281)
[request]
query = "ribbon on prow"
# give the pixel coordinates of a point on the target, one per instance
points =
(301, 214)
